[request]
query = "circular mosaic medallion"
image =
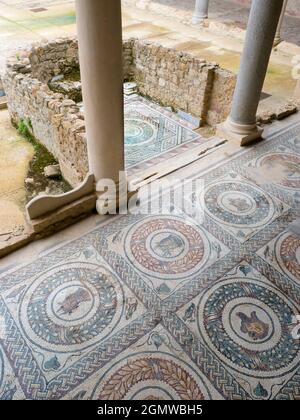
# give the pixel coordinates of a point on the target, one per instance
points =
(287, 253)
(167, 247)
(138, 132)
(71, 307)
(246, 323)
(151, 376)
(285, 166)
(238, 203)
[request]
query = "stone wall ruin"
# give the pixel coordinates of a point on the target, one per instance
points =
(43, 86)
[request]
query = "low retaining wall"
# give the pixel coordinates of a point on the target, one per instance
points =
(56, 121)
(180, 80)
(168, 76)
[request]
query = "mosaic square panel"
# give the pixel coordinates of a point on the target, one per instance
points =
(166, 295)
(66, 311)
(247, 323)
(153, 368)
(166, 250)
(238, 206)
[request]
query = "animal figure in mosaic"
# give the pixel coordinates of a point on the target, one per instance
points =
(253, 326)
(169, 245)
(73, 301)
(239, 203)
(217, 249)
(286, 168)
(52, 364)
(190, 313)
(131, 307)
(267, 252)
(157, 340)
(245, 269)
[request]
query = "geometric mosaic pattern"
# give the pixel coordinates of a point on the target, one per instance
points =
(240, 207)
(163, 307)
(154, 133)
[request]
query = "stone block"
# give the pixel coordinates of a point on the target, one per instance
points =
(52, 171)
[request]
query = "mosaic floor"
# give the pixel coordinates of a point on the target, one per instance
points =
(162, 307)
(154, 134)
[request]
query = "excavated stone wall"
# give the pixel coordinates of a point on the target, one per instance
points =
(168, 76)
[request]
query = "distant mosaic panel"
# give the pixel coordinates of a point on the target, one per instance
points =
(151, 133)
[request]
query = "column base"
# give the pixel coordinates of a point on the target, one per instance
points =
(239, 133)
(197, 19)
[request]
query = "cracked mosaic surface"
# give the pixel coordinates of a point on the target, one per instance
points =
(162, 307)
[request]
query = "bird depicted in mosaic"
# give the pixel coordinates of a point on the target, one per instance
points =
(217, 248)
(245, 269)
(190, 313)
(131, 307)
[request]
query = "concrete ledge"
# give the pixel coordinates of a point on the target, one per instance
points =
(65, 216)
(139, 180)
(51, 223)
(42, 205)
(16, 243)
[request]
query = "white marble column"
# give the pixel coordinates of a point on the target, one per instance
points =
(278, 32)
(101, 65)
(241, 125)
(201, 11)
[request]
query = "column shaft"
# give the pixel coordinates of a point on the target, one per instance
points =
(101, 65)
(262, 24)
(278, 31)
(201, 11)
